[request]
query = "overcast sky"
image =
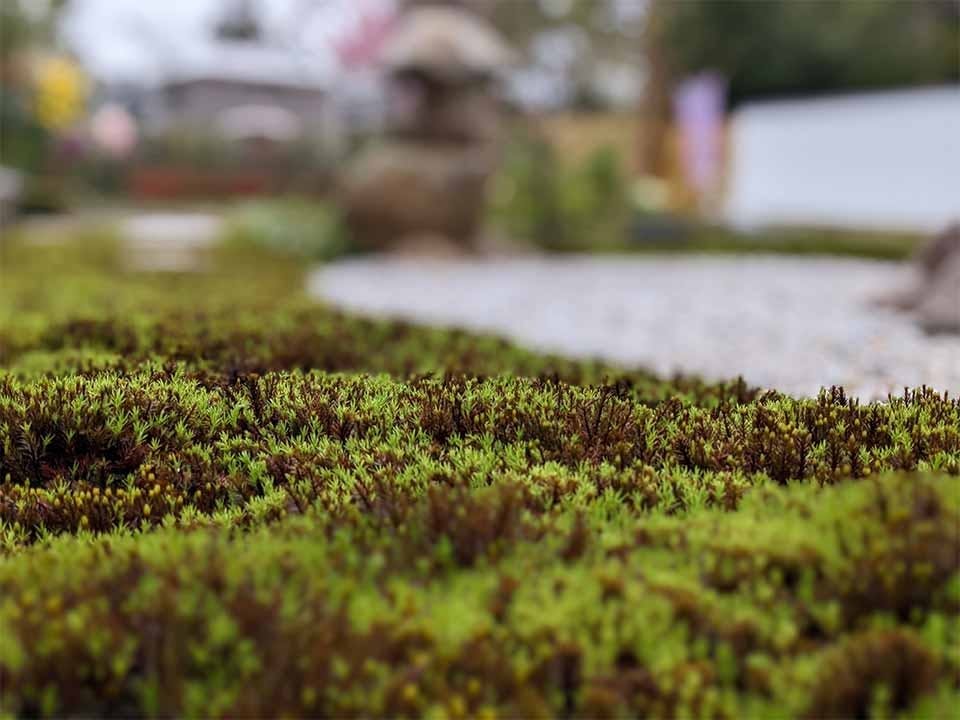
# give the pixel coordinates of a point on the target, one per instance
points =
(137, 40)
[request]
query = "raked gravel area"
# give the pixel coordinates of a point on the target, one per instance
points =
(790, 323)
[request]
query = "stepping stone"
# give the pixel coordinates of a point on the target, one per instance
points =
(170, 242)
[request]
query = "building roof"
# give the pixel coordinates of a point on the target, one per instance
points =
(251, 63)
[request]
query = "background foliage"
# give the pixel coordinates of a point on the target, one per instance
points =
(780, 48)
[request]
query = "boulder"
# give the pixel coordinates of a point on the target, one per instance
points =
(934, 294)
(938, 310)
(936, 254)
(11, 185)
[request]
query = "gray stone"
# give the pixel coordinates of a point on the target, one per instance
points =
(11, 185)
(933, 293)
(937, 253)
(169, 242)
(938, 310)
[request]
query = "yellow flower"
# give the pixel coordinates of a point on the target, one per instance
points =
(61, 92)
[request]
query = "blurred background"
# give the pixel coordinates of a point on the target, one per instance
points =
(735, 110)
(324, 128)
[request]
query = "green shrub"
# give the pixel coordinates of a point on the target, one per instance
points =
(304, 228)
(539, 199)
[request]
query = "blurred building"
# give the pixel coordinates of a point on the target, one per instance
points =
(884, 160)
(239, 85)
(222, 80)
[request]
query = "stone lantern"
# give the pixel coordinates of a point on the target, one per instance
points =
(425, 180)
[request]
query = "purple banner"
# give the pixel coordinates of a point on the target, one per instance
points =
(698, 106)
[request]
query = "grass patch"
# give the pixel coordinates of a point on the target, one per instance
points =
(789, 241)
(661, 234)
(217, 499)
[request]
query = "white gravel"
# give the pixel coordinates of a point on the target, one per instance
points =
(794, 324)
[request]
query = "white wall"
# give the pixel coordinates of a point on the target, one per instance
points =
(886, 160)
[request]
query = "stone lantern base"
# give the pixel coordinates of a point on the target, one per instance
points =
(400, 191)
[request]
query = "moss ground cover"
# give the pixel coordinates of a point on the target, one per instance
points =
(219, 500)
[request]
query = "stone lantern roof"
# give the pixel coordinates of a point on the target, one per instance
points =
(447, 44)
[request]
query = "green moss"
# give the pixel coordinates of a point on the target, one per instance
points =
(498, 612)
(76, 308)
(219, 500)
(127, 448)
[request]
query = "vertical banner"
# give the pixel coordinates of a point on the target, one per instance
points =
(698, 107)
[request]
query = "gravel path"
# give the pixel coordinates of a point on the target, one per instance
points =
(782, 322)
